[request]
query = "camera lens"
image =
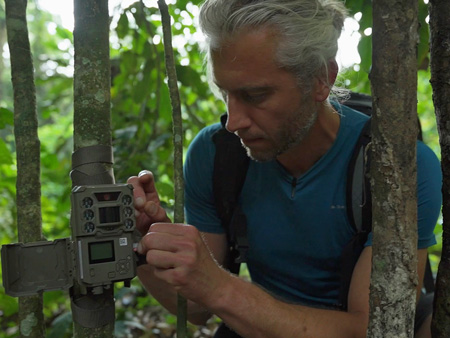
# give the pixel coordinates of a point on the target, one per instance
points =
(127, 212)
(88, 215)
(89, 227)
(128, 223)
(126, 199)
(88, 202)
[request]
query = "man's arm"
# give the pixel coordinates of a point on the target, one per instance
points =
(246, 308)
(254, 313)
(181, 259)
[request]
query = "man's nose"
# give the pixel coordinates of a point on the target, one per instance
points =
(238, 117)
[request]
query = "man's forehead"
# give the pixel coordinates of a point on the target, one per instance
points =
(245, 39)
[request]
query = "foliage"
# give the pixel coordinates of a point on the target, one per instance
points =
(141, 122)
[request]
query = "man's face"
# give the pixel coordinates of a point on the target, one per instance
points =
(266, 108)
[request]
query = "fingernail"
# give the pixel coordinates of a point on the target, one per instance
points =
(136, 213)
(139, 202)
(139, 248)
(143, 172)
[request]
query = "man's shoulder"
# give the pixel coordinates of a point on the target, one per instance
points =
(428, 160)
(202, 145)
(206, 134)
(351, 116)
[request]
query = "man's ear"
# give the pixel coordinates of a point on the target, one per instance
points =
(323, 87)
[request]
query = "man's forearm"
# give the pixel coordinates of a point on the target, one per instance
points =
(167, 296)
(252, 312)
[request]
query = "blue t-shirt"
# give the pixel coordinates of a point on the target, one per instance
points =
(297, 227)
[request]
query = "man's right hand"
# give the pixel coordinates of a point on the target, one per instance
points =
(146, 201)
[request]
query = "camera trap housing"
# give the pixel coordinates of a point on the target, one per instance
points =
(99, 253)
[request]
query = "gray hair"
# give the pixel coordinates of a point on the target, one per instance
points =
(308, 30)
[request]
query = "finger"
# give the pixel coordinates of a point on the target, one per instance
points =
(144, 172)
(177, 229)
(147, 182)
(156, 241)
(160, 259)
(167, 266)
(173, 276)
(163, 241)
(138, 192)
(155, 212)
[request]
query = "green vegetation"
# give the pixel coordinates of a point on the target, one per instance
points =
(141, 122)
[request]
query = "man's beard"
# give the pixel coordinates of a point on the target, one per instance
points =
(290, 134)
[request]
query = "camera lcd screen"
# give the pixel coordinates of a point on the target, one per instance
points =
(109, 215)
(101, 252)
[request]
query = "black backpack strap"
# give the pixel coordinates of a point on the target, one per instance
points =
(359, 210)
(359, 198)
(428, 280)
(230, 169)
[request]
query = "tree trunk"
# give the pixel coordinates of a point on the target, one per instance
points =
(393, 169)
(178, 147)
(440, 81)
(29, 218)
(92, 77)
(92, 126)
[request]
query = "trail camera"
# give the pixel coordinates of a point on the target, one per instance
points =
(99, 253)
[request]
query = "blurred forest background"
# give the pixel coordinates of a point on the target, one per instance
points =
(141, 122)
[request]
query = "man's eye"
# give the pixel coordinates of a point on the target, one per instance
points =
(256, 97)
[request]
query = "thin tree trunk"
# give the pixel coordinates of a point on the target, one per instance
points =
(92, 126)
(29, 218)
(393, 169)
(440, 81)
(92, 76)
(178, 147)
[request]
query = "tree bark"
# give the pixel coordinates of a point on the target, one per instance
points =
(393, 169)
(29, 218)
(440, 81)
(92, 76)
(92, 126)
(178, 146)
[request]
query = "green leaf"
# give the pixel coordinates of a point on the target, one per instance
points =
(8, 304)
(64, 33)
(365, 52)
(6, 117)
(191, 78)
(122, 26)
(424, 35)
(61, 326)
(5, 154)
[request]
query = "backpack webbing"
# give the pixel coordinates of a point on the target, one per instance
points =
(359, 210)
(230, 168)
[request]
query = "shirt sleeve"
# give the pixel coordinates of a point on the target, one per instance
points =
(429, 192)
(429, 196)
(198, 169)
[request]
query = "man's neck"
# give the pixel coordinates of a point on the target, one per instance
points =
(300, 158)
